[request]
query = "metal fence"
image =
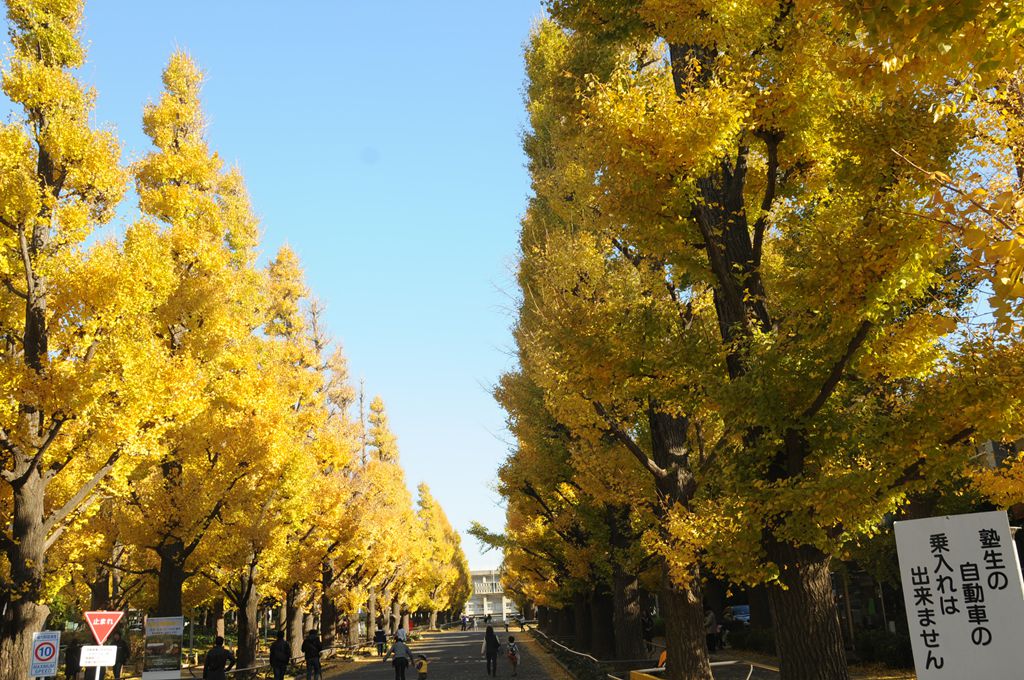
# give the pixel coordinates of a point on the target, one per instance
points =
(586, 667)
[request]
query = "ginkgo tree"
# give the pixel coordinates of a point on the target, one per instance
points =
(178, 408)
(78, 377)
(747, 160)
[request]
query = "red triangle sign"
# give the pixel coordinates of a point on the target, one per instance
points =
(102, 624)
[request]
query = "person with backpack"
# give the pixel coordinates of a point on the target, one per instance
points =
(421, 667)
(490, 648)
(380, 638)
(311, 648)
(513, 655)
(280, 655)
(402, 658)
(218, 661)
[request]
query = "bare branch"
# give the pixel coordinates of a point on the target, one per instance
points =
(128, 570)
(656, 471)
(958, 191)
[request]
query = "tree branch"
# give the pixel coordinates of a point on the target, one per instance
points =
(771, 140)
(127, 570)
(836, 374)
(656, 471)
(208, 520)
(54, 524)
(58, 422)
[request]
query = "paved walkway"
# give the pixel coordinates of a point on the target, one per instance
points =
(457, 656)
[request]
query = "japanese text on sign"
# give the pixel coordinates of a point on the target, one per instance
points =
(964, 595)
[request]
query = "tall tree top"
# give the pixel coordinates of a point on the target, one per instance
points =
(382, 439)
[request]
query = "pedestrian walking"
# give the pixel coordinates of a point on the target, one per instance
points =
(401, 634)
(72, 657)
(280, 655)
(513, 654)
(727, 627)
(402, 658)
(490, 649)
(311, 648)
(124, 653)
(421, 667)
(218, 661)
(711, 630)
(380, 638)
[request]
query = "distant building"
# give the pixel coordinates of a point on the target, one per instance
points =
(488, 597)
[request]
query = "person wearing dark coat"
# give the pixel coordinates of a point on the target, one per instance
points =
(72, 659)
(218, 661)
(380, 638)
(311, 648)
(124, 652)
(280, 655)
(491, 647)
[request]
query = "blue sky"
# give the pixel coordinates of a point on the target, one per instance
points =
(381, 140)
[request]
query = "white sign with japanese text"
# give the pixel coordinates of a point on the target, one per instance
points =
(98, 655)
(964, 596)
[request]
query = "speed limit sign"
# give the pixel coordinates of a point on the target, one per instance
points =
(45, 646)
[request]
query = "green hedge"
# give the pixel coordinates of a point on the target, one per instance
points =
(880, 646)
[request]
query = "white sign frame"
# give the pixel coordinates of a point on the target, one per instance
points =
(47, 643)
(103, 656)
(964, 596)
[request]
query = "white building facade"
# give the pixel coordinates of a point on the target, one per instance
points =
(489, 598)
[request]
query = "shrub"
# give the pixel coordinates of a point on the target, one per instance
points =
(881, 646)
(753, 639)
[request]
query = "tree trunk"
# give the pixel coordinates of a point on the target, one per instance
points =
(396, 615)
(566, 622)
(248, 625)
(433, 620)
(99, 590)
(372, 617)
(627, 622)
(171, 579)
(807, 633)
(683, 612)
(218, 616)
(328, 607)
(353, 628)
(626, 617)
(602, 632)
(760, 608)
(24, 614)
(581, 622)
(293, 626)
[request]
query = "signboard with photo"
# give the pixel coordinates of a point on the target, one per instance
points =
(964, 596)
(163, 648)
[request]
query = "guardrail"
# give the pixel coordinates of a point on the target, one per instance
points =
(600, 667)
